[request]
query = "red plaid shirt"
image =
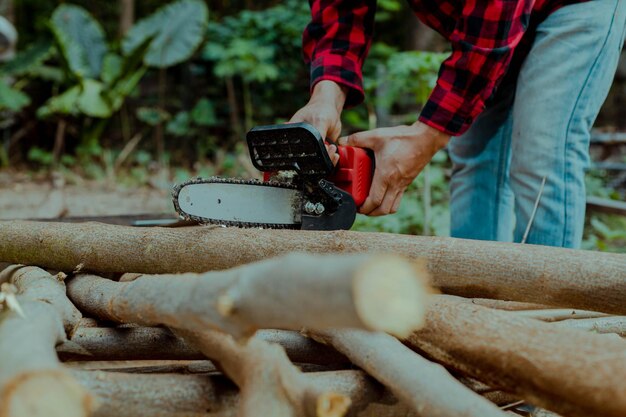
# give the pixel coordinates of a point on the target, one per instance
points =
(484, 35)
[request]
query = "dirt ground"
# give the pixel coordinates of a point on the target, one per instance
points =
(22, 197)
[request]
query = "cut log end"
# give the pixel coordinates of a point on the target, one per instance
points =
(45, 394)
(331, 404)
(388, 278)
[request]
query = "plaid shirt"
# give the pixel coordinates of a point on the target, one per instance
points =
(485, 35)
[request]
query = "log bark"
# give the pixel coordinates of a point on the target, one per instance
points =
(560, 277)
(32, 380)
(565, 370)
(425, 386)
(269, 384)
(154, 343)
(602, 325)
(146, 366)
(171, 395)
(379, 293)
(559, 314)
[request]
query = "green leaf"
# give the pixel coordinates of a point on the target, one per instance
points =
(111, 68)
(12, 99)
(176, 30)
(152, 116)
(87, 98)
(28, 60)
(124, 87)
(81, 40)
(65, 103)
(91, 100)
(203, 113)
(40, 156)
(179, 125)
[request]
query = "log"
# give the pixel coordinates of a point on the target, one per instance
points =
(269, 384)
(315, 291)
(560, 369)
(154, 343)
(552, 315)
(33, 382)
(146, 366)
(425, 386)
(171, 395)
(474, 269)
(602, 325)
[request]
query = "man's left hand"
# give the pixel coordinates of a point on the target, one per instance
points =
(401, 153)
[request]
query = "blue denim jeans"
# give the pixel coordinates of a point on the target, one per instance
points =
(540, 127)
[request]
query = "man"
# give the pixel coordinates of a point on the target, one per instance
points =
(518, 95)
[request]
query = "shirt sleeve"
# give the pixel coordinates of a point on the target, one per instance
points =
(483, 42)
(336, 42)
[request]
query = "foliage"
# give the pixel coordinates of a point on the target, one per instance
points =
(81, 40)
(173, 32)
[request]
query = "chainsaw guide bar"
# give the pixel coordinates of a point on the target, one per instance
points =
(289, 204)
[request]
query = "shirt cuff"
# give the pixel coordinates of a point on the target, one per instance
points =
(450, 112)
(343, 71)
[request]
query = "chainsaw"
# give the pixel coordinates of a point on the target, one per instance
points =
(301, 188)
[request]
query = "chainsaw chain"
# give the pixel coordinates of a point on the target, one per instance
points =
(213, 180)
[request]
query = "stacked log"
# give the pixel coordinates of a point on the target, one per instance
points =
(207, 321)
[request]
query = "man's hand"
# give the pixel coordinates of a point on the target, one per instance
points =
(400, 153)
(323, 111)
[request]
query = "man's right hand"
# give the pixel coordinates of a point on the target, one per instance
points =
(323, 111)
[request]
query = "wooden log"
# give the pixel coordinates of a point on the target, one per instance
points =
(565, 370)
(32, 380)
(558, 314)
(146, 366)
(155, 343)
(172, 395)
(314, 291)
(602, 325)
(269, 384)
(507, 305)
(560, 277)
(425, 386)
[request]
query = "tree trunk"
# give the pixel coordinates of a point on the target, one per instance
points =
(507, 271)
(565, 370)
(33, 382)
(166, 395)
(427, 387)
(290, 292)
(152, 343)
(269, 384)
(127, 16)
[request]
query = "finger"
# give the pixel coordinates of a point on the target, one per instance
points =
(376, 195)
(396, 204)
(387, 203)
(365, 139)
(332, 153)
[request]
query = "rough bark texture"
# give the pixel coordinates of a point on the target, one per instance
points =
(129, 395)
(427, 387)
(270, 385)
(559, 314)
(32, 380)
(565, 370)
(315, 291)
(554, 276)
(154, 343)
(602, 325)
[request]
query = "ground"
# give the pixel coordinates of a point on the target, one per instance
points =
(22, 197)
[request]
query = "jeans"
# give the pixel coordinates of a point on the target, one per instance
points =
(539, 127)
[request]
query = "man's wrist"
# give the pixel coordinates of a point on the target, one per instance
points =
(438, 138)
(329, 92)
